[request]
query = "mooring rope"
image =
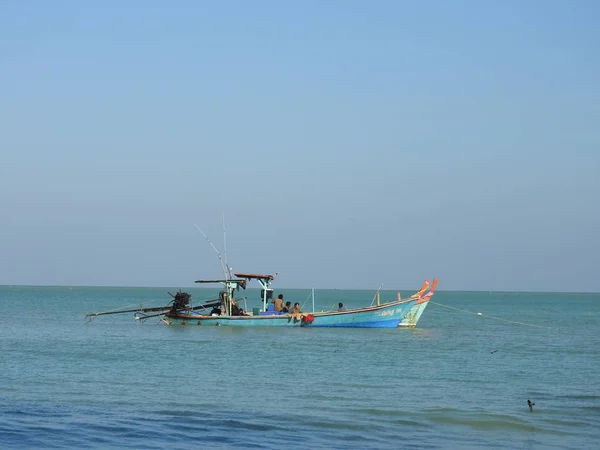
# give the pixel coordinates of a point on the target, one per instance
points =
(491, 317)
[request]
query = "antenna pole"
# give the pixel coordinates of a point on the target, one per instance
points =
(215, 249)
(225, 249)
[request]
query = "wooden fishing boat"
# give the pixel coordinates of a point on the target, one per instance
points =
(381, 315)
(225, 311)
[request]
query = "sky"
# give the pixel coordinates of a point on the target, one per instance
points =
(346, 144)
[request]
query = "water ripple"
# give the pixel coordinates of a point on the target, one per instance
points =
(119, 384)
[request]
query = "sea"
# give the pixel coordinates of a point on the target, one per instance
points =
(460, 380)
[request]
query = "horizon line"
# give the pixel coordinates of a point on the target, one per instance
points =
(294, 288)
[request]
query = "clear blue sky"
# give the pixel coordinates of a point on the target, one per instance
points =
(349, 143)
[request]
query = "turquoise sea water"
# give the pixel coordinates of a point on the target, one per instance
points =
(459, 380)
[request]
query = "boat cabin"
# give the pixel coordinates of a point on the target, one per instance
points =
(266, 293)
(234, 284)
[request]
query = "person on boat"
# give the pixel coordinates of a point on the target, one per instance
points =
(225, 307)
(235, 309)
(296, 312)
(278, 303)
(341, 307)
(287, 307)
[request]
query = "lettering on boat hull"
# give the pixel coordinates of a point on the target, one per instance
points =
(391, 312)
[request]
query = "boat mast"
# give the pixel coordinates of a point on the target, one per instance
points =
(225, 250)
(230, 287)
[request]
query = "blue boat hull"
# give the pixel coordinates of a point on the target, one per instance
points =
(388, 315)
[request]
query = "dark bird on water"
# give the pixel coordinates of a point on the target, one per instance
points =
(531, 404)
(493, 351)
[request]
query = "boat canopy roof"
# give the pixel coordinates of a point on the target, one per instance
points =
(250, 276)
(240, 282)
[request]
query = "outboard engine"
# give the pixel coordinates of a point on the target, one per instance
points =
(181, 300)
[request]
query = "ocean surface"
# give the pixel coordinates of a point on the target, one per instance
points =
(459, 380)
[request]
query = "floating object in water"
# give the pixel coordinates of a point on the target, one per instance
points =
(531, 404)
(480, 314)
(493, 351)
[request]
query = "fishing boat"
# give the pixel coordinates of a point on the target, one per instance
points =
(381, 315)
(226, 310)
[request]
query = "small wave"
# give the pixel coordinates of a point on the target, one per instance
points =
(579, 397)
(177, 413)
(485, 424)
(335, 425)
(409, 423)
(243, 425)
(566, 423)
(381, 412)
(389, 416)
